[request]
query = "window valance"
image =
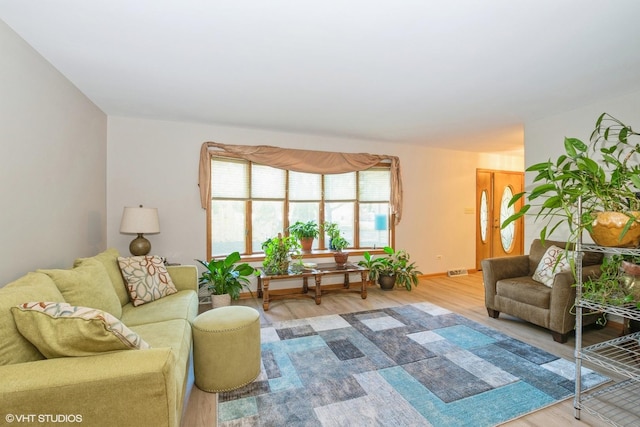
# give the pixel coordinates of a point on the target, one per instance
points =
(310, 161)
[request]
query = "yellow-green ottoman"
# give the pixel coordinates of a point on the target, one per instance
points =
(226, 348)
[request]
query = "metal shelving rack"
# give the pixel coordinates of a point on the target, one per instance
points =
(619, 404)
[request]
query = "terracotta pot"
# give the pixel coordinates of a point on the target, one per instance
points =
(340, 258)
(306, 243)
(630, 268)
(386, 282)
(223, 300)
(607, 227)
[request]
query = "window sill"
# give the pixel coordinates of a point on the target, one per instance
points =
(319, 253)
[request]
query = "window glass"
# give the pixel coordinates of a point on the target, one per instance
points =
(251, 203)
(267, 221)
(340, 186)
(507, 234)
(267, 182)
(227, 226)
(375, 185)
(229, 179)
(374, 225)
(305, 186)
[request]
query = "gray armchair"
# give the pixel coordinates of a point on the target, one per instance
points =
(509, 288)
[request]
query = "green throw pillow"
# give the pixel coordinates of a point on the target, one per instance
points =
(87, 285)
(61, 330)
(14, 348)
(109, 259)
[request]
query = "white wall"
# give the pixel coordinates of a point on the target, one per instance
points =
(544, 140)
(52, 165)
(155, 163)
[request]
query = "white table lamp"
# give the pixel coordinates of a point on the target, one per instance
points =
(140, 221)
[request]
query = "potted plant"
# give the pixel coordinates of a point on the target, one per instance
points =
(225, 279)
(305, 232)
(393, 268)
(333, 231)
(277, 253)
(604, 176)
(339, 243)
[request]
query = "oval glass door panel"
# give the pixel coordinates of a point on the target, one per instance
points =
(484, 216)
(507, 233)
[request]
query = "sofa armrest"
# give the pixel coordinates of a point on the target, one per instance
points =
(185, 277)
(131, 387)
(563, 298)
(495, 269)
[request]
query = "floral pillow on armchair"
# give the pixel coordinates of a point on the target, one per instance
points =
(553, 262)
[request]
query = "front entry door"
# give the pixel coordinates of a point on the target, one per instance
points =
(493, 192)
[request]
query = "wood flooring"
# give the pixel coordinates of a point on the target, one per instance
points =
(463, 295)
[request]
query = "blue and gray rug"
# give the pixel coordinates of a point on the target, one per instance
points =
(413, 365)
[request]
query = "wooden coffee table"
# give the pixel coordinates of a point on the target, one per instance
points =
(317, 273)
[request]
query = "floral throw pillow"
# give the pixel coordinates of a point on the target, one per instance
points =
(553, 262)
(59, 329)
(147, 278)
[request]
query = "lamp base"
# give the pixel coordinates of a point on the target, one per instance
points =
(139, 246)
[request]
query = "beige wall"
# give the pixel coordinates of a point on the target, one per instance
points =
(52, 165)
(544, 140)
(155, 163)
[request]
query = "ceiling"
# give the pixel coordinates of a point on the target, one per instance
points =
(460, 74)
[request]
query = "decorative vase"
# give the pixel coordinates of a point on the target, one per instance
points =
(340, 258)
(607, 227)
(386, 282)
(223, 300)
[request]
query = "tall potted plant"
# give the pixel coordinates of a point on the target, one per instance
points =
(305, 232)
(225, 279)
(603, 175)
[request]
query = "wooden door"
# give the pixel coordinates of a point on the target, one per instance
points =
(493, 192)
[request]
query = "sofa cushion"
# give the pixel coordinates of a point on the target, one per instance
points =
(524, 290)
(174, 334)
(182, 305)
(59, 329)
(87, 285)
(147, 278)
(33, 286)
(553, 261)
(109, 259)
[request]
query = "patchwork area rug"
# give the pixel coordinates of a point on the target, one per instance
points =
(412, 365)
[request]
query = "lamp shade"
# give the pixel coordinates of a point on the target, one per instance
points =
(140, 220)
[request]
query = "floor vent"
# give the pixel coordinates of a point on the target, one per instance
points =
(457, 272)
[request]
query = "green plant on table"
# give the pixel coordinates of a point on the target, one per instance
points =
(278, 252)
(339, 243)
(224, 276)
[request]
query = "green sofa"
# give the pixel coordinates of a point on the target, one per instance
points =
(127, 387)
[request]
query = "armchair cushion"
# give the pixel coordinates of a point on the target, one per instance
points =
(524, 290)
